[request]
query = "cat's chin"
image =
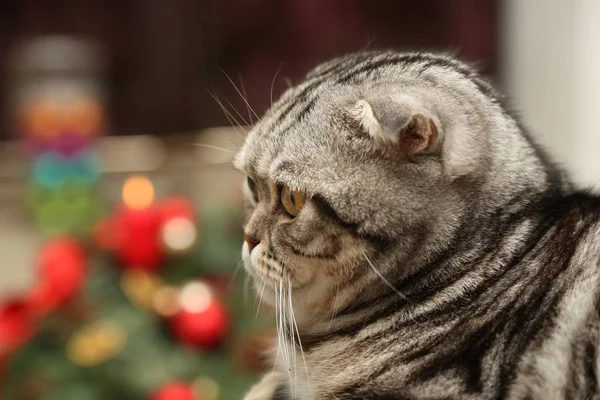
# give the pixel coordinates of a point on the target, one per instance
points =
(311, 303)
(272, 302)
(275, 294)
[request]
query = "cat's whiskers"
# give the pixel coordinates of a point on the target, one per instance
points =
(224, 109)
(246, 289)
(279, 346)
(383, 278)
(297, 333)
(281, 331)
(227, 164)
(260, 296)
(213, 147)
(290, 332)
(241, 95)
(232, 120)
(237, 112)
(273, 82)
(245, 96)
(236, 271)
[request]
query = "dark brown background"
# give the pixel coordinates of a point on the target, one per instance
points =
(165, 54)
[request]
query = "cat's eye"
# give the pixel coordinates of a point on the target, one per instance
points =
(252, 187)
(292, 201)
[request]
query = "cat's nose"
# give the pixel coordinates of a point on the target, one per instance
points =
(252, 242)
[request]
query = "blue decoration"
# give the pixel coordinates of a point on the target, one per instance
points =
(51, 171)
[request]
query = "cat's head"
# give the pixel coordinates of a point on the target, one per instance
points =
(360, 173)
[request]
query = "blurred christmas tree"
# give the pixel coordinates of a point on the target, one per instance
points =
(148, 306)
(158, 315)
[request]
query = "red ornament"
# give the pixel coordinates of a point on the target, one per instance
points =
(203, 322)
(174, 391)
(62, 269)
(176, 207)
(16, 327)
(139, 237)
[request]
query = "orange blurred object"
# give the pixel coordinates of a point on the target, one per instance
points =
(84, 117)
(138, 192)
(42, 119)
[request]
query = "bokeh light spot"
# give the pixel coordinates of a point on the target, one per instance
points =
(138, 192)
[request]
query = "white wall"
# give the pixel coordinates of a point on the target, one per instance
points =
(551, 54)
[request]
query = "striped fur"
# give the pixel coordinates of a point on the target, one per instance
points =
(469, 271)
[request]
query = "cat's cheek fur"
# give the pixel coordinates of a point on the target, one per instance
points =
(250, 261)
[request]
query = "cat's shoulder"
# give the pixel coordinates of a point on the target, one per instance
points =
(572, 222)
(582, 203)
(580, 223)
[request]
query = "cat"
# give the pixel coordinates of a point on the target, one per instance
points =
(414, 242)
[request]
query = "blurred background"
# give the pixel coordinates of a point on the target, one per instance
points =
(119, 212)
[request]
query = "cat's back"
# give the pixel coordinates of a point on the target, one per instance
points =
(575, 226)
(531, 330)
(563, 358)
(549, 317)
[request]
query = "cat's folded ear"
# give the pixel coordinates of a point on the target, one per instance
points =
(402, 123)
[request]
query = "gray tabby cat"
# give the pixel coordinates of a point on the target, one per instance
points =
(415, 243)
